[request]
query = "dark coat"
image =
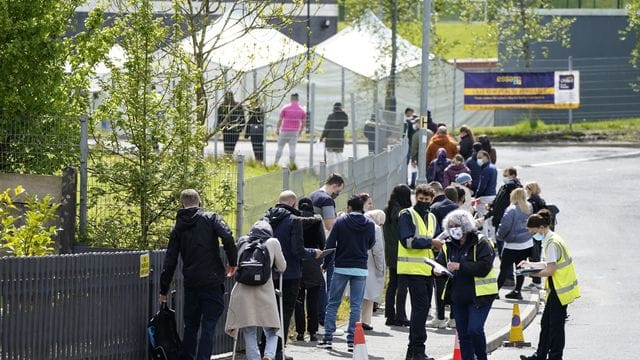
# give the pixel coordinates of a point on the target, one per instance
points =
(487, 181)
(461, 288)
(466, 146)
(352, 236)
(334, 131)
(255, 124)
(537, 203)
(232, 117)
(452, 171)
(502, 202)
(194, 237)
(314, 238)
(391, 235)
(474, 171)
(441, 207)
(435, 172)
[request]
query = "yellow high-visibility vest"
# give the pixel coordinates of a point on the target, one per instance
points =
(486, 285)
(411, 261)
(565, 280)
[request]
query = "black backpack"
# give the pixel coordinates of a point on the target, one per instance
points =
(164, 341)
(254, 264)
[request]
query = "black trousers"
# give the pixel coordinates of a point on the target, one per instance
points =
(420, 291)
(258, 148)
(510, 257)
(536, 253)
(551, 341)
(230, 138)
(395, 297)
(289, 295)
(310, 297)
(440, 283)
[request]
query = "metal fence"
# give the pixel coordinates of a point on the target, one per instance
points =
(83, 306)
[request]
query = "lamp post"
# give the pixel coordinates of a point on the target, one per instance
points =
(390, 101)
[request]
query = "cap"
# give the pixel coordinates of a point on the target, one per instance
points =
(463, 178)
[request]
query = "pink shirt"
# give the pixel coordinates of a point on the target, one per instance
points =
(293, 117)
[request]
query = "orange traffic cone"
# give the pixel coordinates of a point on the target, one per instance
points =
(359, 345)
(457, 355)
(516, 337)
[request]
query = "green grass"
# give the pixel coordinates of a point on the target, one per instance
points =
(463, 41)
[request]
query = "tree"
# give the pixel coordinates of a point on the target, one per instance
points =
(154, 148)
(633, 30)
(39, 128)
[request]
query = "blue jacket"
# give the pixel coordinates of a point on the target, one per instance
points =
(474, 170)
(487, 181)
(352, 236)
(513, 226)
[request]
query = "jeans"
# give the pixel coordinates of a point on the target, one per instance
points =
(310, 297)
(202, 308)
(509, 258)
(251, 342)
(551, 341)
(420, 292)
(323, 298)
(395, 297)
(338, 284)
(470, 326)
(287, 137)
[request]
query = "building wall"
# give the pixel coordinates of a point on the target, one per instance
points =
(601, 56)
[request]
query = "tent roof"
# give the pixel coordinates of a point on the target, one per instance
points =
(363, 49)
(245, 44)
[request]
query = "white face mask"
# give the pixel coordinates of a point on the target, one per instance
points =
(538, 236)
(456, 233)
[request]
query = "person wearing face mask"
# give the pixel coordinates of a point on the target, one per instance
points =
(469, 256)
(561, 286)
(416, 227)
(485, 190)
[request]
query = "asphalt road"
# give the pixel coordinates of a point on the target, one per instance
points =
(598, 193)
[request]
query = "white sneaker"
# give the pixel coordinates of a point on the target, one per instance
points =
(438, 324)
(338, 332)
(451, 323)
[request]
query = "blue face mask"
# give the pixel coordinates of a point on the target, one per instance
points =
(538, 236)
(506, 180)
(479, 162)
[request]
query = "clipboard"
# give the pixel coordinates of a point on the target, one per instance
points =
(437, 267)
(326, 252)
(527, 271)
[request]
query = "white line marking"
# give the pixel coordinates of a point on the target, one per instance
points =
(571, 161)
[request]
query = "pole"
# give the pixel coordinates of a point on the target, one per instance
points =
(422, 160)
(84, 153)
(390, 103)
(311, 120)
(239, 195)
(354, 136)
(424, 67)
(352, 189)
(377, 131)
(285, 178)
(342, 85)
(308, 54)
(453, 97)
(570, 60)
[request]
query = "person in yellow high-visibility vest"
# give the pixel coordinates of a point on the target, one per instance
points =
(416, 227)
(561, 285)
(469, 257)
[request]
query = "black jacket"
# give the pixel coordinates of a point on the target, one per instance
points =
(537, 203)
(502, 202)
(461, 288)
(231, 118)
(334, 131)
(314, 238)
(440, 207)
(287, 228)
(255, 124)
(391, 235)
(195, 238)
(466, 147)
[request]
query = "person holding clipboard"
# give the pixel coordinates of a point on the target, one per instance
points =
(468, 256)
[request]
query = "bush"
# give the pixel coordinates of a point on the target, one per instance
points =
(27, 234)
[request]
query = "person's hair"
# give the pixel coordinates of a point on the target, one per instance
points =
(334, 179)
(451, 193)
(484, 154)
(189, 198)
(458, 159)
(355, 203)
(462, 195)
(541, 218)
(463, 218)
(442, 130)
(337, 106)
(533, 188)
(511, 171)
(408, 109)
(519, 198)
(436, 187)
(377, 216)
(401, 196)
(424, 189)
(486, 144)
(228, 99)
(477, 146)
(305, 204)
(295, 96)
(365, 197)
(287, 197)
(466, 129)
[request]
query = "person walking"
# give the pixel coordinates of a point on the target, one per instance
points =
(289, 128)
(287, 228)
(255, 306)
(517, 241)
(455, 168)
(352, 236)
(255, 130)
(314, 238)
(537, 204)
(416, 227)
(441, 140)
(466, 142)
(231, 120)
(195, 238)
(375, 267)
(437, 166)
(333, 133)
(469, 256)
(561, 285)
(396, 294)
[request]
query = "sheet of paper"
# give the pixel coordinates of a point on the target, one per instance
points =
(438, 268)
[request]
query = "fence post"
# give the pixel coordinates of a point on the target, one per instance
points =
(285, 178)
(354, 136)
(67, 210)
(311, 120)
(84, 153)
(323, 172)
(240, 195)
(422, 160)
(453, 99)
(352, 178)
(377, 131)
(570, 60)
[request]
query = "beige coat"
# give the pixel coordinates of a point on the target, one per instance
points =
(256, 305)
